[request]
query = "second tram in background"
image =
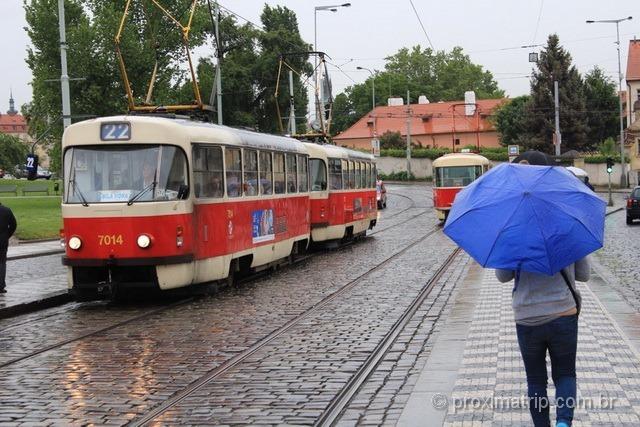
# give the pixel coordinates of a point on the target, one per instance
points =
(453, 172)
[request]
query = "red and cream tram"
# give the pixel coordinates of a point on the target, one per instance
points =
(169, 202)
(452, 172)
(343, 196)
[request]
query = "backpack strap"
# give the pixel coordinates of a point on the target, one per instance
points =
(573, 291)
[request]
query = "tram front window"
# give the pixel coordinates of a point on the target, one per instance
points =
(457, 176)
(122, 173)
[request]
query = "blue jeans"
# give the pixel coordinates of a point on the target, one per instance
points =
(560, 337)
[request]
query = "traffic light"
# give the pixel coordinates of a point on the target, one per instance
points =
(609, 165)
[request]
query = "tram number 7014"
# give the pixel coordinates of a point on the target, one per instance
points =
(110, 239)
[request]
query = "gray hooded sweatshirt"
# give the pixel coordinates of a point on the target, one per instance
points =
(538, 298)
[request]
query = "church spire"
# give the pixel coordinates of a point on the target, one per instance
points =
(12, 109)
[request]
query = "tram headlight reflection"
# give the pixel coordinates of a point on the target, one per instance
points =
(144, 241)
(75, 243)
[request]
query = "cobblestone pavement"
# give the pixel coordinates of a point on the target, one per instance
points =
(491, 384)
(31, 279)
(619, 260)
(388, 388)
(116, 375)
(293, 378)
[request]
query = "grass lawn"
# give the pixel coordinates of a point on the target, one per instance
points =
(38, 217)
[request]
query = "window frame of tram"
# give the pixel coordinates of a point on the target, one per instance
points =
(205, 171)
(291, 175)
(439, 175)
(334, 174)
(303, 173)
(318, 175)
(358, 175)
(249, 172)
(279, 174)
(265, 178)
(233, 172)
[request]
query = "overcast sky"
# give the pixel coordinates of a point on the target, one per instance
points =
(368, 31)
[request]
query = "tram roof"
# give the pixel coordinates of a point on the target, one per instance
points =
(460, 159)
(163, 130)
(333, 151)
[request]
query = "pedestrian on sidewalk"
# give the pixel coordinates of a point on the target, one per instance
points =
(546, 312)
(7, 228)
(588, 184)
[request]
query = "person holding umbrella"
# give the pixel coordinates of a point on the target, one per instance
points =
(535, 224)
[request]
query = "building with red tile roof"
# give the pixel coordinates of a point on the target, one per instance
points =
(633, 80)
(13, 123)
(442, 124)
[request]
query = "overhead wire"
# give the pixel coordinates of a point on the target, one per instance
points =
(422, 25)
(535, 33)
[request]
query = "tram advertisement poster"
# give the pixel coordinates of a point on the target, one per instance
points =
(262, 225)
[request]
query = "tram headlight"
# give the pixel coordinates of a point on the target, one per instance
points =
(75, 243)
(144, 241)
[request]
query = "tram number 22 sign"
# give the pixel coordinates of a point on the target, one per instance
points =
(110, 239)
(115, 131)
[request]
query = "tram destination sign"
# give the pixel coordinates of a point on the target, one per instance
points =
(115, 131)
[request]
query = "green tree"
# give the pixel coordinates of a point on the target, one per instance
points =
(555, 64)
(440, 75)
(608, 147)
(602, 106)
(391, 139)
(12, 152)
(509, 120)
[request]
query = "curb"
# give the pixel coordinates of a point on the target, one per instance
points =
(613, 211)
(48, 301)
(35, 254)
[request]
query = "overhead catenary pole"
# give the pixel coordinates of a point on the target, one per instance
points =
(218, 67)
(623, 175)
(64, 76)
(558, 138)
(292, 112)
(408, 136)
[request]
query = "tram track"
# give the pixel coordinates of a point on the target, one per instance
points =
(344, 397)
(239, 358)
(66, 308)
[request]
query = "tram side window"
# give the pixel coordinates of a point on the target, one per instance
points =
(357, 175)
(208, 171)
(233, 165)
(374, 176)
(266, 173)
(303, 174)
(335, 174)
(345, 174)
(366, 179)
(291, 173)
(318, 172)
(250, 173)
(278, 173)
(352, 175)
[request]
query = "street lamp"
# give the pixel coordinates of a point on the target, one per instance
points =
(623, 177)
(373, 87)
(331, 8)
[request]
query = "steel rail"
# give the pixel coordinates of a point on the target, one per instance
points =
(241, 357)
(339, 403)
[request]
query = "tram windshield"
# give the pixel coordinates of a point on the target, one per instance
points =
(457, 176)
(117, 173)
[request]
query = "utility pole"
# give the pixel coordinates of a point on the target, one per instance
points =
(292, 112)
(623, 175)
(218, 67)
(408, 136)
(64, 76)
(558, 140)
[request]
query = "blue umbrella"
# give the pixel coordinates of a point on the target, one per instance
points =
(533, 218)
